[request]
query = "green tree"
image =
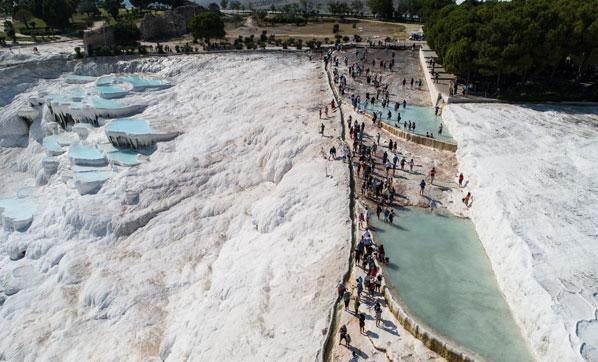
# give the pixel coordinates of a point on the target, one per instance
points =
(56, 13)
(307, 7)
(6, 6)
(23, 15)
(223, 4)
(356, 7)
(235, 5)
(113, 7)
(460, 57)
(141, 4)
(207, 25)
(381, 8)
(213, 7)
(126, 33)
(333, 7)
(9, 29)
(425, 8)
(88, 7)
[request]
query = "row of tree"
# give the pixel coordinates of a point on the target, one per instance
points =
(58, 13)
(380, 8)
(516, 41)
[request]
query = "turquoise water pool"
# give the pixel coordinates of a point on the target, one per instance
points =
(54, 143)
(124, 157)
(140, 82)
(16, 208)
(133, 126)
(441, 272)
(105, 80)
(85, 152)
(137, 81)
(79, 79)
(92, 176)
(424, 118)
(110, 91)
(98, 102)
(86, 155)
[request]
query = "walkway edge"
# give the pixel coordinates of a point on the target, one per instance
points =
(325, 354)
(434, 341)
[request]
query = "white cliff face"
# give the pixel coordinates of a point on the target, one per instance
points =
(223, 244)
(533, 175)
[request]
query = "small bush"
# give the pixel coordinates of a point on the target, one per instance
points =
(299, 44)
(335, 28)
(285, 45)
(78, 53)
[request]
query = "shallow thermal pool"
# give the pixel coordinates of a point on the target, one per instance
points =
(16, 208)
(424, 118)
(110, 91)
(138, 82)
(129, 126)
(86, 155)
(441, 272)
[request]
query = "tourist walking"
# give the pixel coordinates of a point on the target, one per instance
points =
(347, 299)
(467, 199)
(361, 323)
(422, 186)
(461, 180)
(322, 129)
(378, 311)
(340, 289)
(343, 334)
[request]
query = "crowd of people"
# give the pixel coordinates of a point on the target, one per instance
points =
(364, 290)
(375, 164)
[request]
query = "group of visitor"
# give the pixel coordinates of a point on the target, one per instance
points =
(367, 255)
(379, 187)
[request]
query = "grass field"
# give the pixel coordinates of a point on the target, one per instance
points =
(367, 29)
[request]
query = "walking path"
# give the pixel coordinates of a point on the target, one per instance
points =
(390, 341)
